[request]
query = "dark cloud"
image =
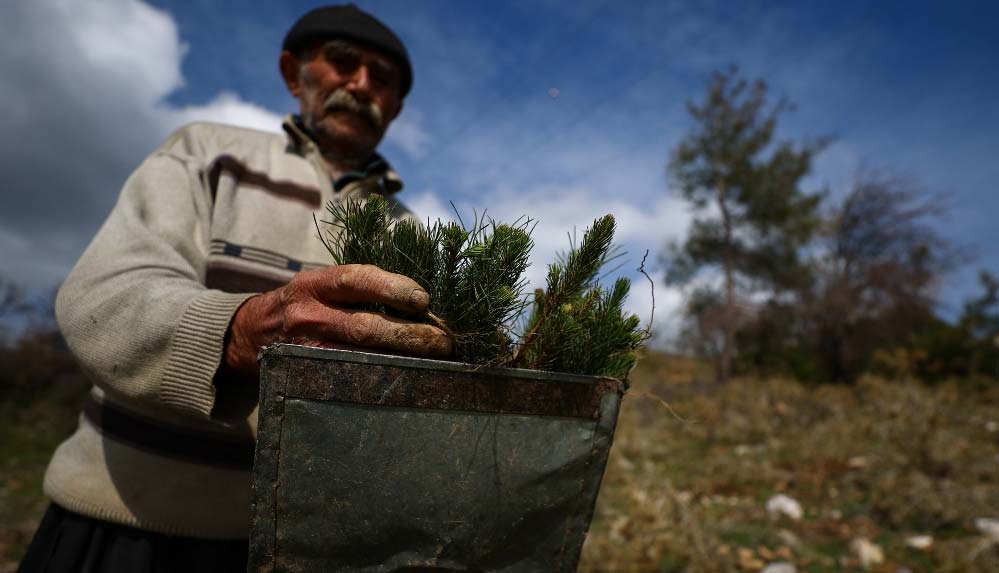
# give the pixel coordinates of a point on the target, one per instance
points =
(70, 133)
(83, 100)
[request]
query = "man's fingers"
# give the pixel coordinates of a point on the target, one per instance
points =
(368, 283)
(376, 330)
(312, 311)
(371, 330)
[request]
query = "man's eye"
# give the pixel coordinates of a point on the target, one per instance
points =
(344, 60)
(380, 76)
(383, 74)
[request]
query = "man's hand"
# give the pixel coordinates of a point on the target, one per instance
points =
(310, 310)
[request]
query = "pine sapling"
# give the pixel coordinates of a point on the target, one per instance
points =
(474, 276)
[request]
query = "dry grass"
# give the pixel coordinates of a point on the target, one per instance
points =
(882, 461)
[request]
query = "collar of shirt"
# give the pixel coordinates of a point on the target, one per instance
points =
(388, 180)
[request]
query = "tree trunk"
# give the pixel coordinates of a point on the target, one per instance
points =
(728, 323)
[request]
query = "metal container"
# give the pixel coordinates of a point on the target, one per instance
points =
(368, 462)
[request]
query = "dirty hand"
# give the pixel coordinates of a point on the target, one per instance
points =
(314, 309)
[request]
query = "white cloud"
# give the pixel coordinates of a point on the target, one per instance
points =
(133, 44)
(226, 108)
(408, 133)
(427, 205)
(84, 100)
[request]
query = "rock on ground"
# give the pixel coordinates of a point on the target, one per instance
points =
(867, 553)
(781, 504)
(988, 527)
(920, 542)
(780, 567)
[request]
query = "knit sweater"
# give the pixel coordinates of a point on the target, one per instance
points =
(213, 216)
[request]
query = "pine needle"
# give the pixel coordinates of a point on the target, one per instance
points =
(475, 278)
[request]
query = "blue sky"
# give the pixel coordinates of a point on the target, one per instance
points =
(560, 110)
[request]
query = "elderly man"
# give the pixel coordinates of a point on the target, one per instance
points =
(209, 254)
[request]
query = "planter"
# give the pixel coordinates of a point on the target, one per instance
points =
(368, 462)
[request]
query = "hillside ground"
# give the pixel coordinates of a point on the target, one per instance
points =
(693, 466)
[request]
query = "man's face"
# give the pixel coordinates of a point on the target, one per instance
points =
(348, 95)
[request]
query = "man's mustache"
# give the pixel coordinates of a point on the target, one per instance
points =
(341, 99)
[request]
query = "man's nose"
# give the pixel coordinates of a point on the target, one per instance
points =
(360, 82)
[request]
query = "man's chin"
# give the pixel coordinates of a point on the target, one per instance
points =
(347, 120)
(352, 140)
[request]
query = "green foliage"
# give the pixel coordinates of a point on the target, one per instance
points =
(870, 304)
(588, 334)
(979, 323)
(474, 276)
(751, 218)
(751, 215)
(782, 282)
(576, 325)
(939, 350)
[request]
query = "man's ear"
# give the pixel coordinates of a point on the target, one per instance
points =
(290, 71)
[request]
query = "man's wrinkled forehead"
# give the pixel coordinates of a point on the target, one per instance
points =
(334, 46)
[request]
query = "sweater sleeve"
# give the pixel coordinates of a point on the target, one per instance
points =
(135, 310)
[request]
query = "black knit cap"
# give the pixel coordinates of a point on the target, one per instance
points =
(349, 21)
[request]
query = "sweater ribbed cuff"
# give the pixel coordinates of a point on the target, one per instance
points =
(197, 352)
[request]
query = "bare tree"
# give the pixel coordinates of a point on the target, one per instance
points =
(12, 299)
(877, 277)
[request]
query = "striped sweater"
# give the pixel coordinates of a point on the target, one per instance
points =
(216, 214)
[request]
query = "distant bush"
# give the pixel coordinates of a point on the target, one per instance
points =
(35, 363)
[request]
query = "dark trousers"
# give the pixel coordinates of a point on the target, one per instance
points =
(67, 542)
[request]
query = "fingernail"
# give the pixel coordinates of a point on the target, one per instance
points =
(419, 298)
